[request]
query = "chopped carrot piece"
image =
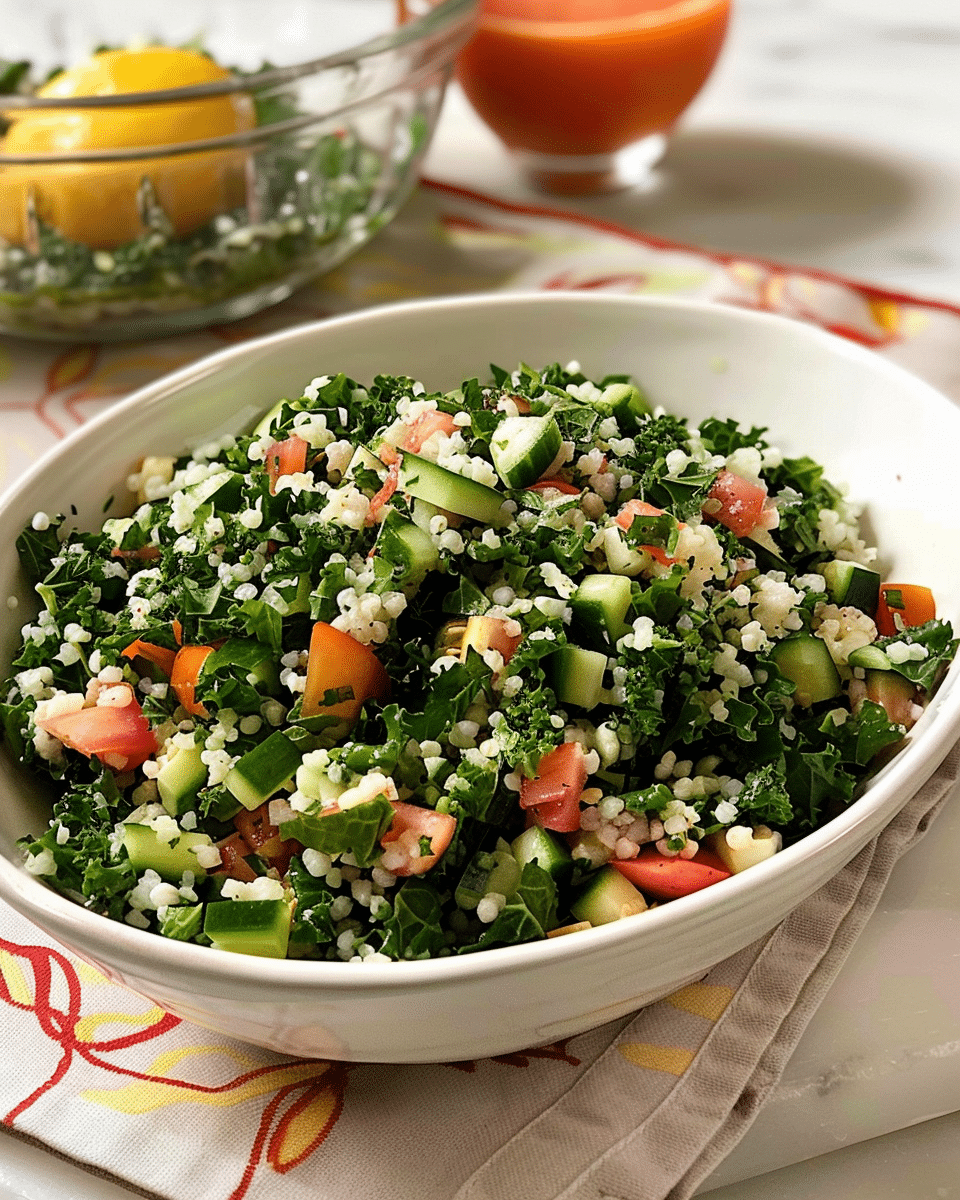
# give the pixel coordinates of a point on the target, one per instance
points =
(160, 656)
(183, 677)
(336, 662)
(902, 605)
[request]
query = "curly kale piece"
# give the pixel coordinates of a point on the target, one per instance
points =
(764, 798)
(84, 855)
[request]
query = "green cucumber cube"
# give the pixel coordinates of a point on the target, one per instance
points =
(608, 896)
(455, 493)
(577, 676)
(849, 584)
(538, 846)
(263, 770)
(627, 403)
(599, 607)
(169, 859)
(488, 871)
(870, 658)
(180, 778)
(409, 548)
(522, 448)
(260, 927)
(805, 660)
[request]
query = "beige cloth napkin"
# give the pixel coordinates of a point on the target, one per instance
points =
(663, 1140)
(641, 1109)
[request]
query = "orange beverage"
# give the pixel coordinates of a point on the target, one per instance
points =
(570, 83)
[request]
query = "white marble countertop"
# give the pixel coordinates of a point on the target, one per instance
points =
(827, 137)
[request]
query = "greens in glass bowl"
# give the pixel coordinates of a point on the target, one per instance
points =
(170, 176)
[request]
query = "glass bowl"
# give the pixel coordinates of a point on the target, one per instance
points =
(161, 214)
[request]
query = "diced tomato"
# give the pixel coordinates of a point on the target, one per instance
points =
(337, 661)
(411, 823)
(562, 815)
(556, 788)
(255, 827)
(385, 494)
(669, 878)
(556, 485)
(489, 633)
(120, 737)
(288, 457)
(234, 852)
(742, 504)
(425, 426)
(640, 508)
(264, 838)
(184, 675)
(908, 603)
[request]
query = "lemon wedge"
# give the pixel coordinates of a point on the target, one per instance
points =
(96, 203)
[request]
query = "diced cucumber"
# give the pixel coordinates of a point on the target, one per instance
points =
(259, 927)
(488, 871)
(870, 658)
(608, 896)
(805, 660)
(408, 547)
(599, 607)
(180, 778)
(169, 859)
(538, 846)
(523, 447)
(627, 404)
(577, 676)
(263, 770)
(850, 584)
(454, 493)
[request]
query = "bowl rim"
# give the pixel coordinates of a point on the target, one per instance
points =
(446, 15)
(85, 931)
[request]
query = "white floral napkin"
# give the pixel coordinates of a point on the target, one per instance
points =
(641, 1109)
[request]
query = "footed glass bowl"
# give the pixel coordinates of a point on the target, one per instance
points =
(169, 167)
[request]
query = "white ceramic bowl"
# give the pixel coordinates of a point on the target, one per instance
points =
(890, 436)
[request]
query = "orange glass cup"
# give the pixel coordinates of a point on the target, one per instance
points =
(586, 92)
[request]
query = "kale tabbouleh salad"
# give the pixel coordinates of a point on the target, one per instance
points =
(400, 675)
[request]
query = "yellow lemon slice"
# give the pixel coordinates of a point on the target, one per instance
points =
(96, 204)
